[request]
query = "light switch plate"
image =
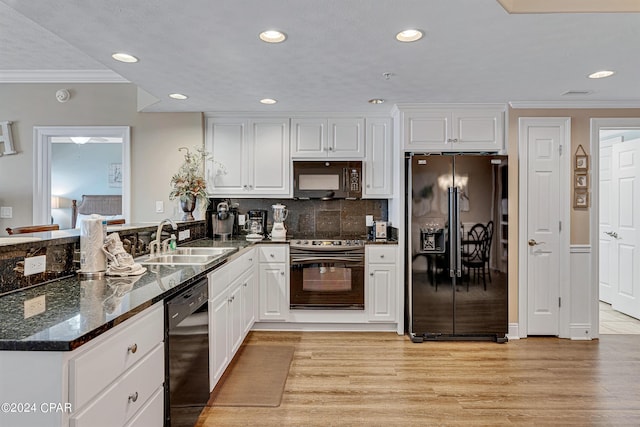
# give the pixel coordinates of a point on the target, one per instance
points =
(369, 220)
(6, 212)
(184, 234)
(159, 206)
(242, 219)
(35, 265)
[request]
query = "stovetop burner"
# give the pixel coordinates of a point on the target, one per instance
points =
(330, 243)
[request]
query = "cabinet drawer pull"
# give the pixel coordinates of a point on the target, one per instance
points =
(381, 256)
(132, 348)
(133, 397)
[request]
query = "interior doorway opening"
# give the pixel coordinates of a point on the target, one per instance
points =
(615, 235)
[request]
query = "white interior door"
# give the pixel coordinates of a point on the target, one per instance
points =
(626, 198)
(608, 275)
(543, 229)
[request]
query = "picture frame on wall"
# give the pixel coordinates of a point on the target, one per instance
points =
(582, 162)
(115, 175)
(581, 199)
(581, 181)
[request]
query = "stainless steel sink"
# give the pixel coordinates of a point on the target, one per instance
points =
(204, 251)
(178, 259)
(187, 256)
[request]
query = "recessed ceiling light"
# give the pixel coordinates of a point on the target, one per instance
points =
(268, 101)
(178, 96)
(410, 35)
(124, 57)
(601, 74)
(272, 36)
(376, 101)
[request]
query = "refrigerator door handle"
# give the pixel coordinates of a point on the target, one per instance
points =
(453, 234)
(458, 253)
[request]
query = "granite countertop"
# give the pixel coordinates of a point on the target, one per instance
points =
(80, 310)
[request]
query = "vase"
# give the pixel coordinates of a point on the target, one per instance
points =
(188, 205)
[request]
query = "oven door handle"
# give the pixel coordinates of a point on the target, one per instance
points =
(316, 259)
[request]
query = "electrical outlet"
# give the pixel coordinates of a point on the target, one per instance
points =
(159, 206)
(6, 212)
(242, 219)
(35, 306)
(369, 220)
(35, 265)
(184, 234)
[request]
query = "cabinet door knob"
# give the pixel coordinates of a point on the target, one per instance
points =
(132, 348)
(371, 274)
(133, 397)
(330, 148)
(272, 255)
(382, 256)
(282, 273)
(244, 284)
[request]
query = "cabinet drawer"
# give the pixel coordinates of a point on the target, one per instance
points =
(241, 264)
(271, 253)
(381, 255)
(152, 413)
(93, 370)
(125, 397)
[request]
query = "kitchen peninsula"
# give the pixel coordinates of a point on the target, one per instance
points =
(99, 343)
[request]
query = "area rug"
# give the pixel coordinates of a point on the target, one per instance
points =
(256, 377)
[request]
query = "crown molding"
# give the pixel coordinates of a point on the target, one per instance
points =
(60, 76)
(574, 104)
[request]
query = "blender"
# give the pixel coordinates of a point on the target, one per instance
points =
(278, 232)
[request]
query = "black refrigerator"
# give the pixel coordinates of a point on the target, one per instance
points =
(457, 251)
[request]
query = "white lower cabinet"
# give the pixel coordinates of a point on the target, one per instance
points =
(274, 283)
(130, 364)
(126, 396)
(116, 379)
(231, 312)
(381, 284)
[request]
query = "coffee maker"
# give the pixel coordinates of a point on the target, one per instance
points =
(259, 215)
(222, 219)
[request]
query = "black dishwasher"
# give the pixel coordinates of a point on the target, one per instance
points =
(187, 355)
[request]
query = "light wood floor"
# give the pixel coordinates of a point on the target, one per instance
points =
(382, 379)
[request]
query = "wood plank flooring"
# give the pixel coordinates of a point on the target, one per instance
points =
(382, 379)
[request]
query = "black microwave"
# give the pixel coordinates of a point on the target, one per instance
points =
(327, 180)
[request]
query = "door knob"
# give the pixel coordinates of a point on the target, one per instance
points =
(612, 234)
(532, 242)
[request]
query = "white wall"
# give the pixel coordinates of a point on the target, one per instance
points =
(155, 138)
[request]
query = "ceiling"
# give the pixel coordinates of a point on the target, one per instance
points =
(335, 57)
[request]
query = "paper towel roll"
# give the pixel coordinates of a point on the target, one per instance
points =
(93, 231)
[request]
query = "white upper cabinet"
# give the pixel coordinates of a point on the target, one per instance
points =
(378, 166)
(251, 157)
(313, 138)
(473, 127)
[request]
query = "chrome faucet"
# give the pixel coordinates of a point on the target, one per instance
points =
(158, 244)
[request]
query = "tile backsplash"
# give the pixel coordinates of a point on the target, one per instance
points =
(321, 219)
(59, 253)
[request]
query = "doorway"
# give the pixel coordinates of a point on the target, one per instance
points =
(46, 136)
(615, 234)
